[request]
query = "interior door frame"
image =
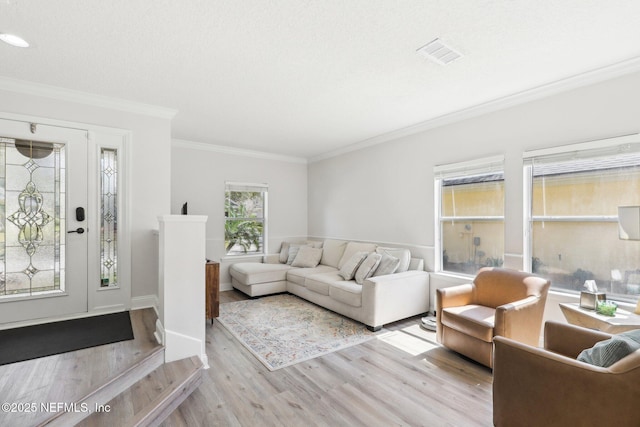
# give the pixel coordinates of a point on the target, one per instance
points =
(111, 299)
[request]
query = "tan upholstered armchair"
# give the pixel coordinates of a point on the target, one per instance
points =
(549, 387)
(498, 302)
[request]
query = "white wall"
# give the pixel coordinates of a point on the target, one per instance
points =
(150, 170)
(385, 192)
(199, 175)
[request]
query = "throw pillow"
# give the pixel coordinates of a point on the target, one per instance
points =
(607, 352)
(404, 255)
(388, 265)
(307, 257)
(352, 248)
(350, 267)
(368, 267)
(293, 251)
(284, 252)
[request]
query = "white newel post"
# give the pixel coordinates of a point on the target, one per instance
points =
(182, 287)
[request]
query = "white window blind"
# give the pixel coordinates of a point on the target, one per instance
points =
(246, 187)
(571, 231)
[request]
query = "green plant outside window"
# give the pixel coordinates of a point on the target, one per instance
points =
(244, 221)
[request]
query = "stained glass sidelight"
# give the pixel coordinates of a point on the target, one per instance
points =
(32, 213)
(108, 217)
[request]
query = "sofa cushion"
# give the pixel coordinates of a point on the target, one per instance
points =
(352, 248)
(606, 353)
(332, 251)
(388, 265)
(315, 243)
(307, 257)
(368, 267)
(319, 283)
(474, 320)
(347, 292)
(300, 274)
(404, 255)
(251, 273)
(349, 268)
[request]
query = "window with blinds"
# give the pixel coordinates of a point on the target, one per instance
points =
(470, 215)
(571, 213)
(245, 218)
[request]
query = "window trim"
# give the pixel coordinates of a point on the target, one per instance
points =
(257, 188)
(442, 172)
(565, 153)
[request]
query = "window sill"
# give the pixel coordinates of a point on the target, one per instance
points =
(243, 256)
(452, 275)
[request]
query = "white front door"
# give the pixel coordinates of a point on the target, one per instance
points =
(43, 236)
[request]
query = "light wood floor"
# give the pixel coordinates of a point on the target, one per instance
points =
(402, 378)
(66, 377)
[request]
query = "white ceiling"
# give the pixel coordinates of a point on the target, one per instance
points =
(303, 78)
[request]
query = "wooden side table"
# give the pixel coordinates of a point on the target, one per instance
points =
(621, 322)
(212, 297)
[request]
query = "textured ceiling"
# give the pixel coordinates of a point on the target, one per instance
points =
(303, 78)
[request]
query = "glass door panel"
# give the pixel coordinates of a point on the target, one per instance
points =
(43, 180)
(31, 214)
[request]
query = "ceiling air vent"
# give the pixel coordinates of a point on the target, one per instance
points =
(439, 52)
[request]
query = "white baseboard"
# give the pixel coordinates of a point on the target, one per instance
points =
(179, 346)
(145, 301)
(226, 286)
(106, 309)
(159, 333)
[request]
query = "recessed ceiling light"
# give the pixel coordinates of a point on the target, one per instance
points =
(13, 40)
(439, 52)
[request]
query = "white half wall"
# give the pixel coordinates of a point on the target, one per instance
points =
(199, 172)
(182, 287)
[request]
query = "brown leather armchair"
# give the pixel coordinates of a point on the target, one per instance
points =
(549, 387)
(498, 302)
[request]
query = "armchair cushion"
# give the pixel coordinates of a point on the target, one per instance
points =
(474, 320)
(606, 353)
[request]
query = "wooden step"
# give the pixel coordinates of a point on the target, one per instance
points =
(108, 390)
(152, 398)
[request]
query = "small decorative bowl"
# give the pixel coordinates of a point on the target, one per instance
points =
(607, 308)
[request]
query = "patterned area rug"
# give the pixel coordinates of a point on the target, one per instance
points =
(283, 330)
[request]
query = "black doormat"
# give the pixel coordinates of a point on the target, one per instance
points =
(31, 342)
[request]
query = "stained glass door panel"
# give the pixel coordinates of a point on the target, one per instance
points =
(43, 177)
(31, 213)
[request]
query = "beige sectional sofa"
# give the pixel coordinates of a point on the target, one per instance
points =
(371, 284)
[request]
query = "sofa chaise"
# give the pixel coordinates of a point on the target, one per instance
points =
(371, 284)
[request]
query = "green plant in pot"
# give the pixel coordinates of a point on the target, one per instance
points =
(607, 308)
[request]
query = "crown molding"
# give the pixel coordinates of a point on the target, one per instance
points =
(563, 85)
(181, 143)
(62, 94)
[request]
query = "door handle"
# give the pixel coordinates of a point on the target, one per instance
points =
(78, 230)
